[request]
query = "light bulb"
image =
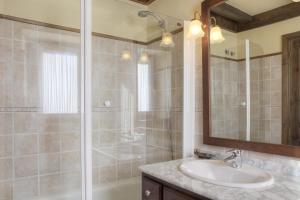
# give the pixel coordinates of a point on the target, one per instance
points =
(216, 35)
(167, 40)
(195, 28)
(144, 58)
(126, 55)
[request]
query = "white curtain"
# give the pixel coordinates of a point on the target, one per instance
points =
(60, 83)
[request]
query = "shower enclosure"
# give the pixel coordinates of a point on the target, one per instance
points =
(53, 116)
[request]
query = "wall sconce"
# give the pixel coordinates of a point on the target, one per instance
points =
(195, 29)
(167, 40)
(126, 55)
(144, 58)
(216, 35)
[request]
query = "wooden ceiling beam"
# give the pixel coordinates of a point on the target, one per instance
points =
(232, 13)
(225, 23)
(272, 16)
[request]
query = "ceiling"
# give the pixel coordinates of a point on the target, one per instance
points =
(144, 2)
(255, 7)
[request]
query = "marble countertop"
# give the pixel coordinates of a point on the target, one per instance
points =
(284, 188)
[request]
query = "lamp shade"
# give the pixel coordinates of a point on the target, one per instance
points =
(216, 35)
(195, 29)
(167, 40)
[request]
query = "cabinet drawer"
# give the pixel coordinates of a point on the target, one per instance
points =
(151, 190)
(170, 194)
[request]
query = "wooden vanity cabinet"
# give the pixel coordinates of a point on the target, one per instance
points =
(156, 189)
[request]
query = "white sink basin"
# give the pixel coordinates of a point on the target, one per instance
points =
(219, 173)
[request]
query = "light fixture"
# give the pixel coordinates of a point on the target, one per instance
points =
(167, 37)
(167, 40)
(216, 35)
(195, 29)
(126, 55)
(144, 58)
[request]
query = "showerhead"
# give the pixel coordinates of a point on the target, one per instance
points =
(167, 38)
(161, 21)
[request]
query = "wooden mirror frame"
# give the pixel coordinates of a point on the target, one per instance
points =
(285, 150)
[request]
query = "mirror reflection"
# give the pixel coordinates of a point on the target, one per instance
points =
(254, 71)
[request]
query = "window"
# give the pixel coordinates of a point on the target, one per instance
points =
(60, 83)
(143, 88)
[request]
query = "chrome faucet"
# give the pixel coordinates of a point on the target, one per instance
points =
(235, 159)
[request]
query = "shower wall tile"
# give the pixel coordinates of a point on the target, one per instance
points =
(49, 143)
(70, 161)
(70, 141)
(25, 144)
(6, 172)
(49, 163)
(25, 188)
(5, 50)
(71, 181)
(108, 174)
(6, 190)
(6, 29)
(24, 32)
(25, 166)
(6, 146)
(124, 171)
(51, 184)
(33, 143)
(6, 84)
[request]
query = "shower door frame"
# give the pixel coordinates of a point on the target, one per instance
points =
(85, 111)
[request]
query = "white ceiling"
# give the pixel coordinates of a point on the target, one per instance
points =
(253, 7)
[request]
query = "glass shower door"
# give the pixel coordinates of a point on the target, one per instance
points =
(40, 100)
(137, 95)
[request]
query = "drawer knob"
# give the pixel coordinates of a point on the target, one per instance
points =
(147, 193)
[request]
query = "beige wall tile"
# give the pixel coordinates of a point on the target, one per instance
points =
(6, 29)
(6, 84)
(25, 32)
(71, 181)
(49, 163)
(5, 50)
(26, 166)
(71, 161)
(108, 174)
(51, 184)
(124, 171)
(6, 170)
(6, 144)
(25, 144)
(25, 189)
(6, 190)
(70, 141)
(49, 143)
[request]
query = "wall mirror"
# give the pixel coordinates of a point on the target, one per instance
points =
(251, 70)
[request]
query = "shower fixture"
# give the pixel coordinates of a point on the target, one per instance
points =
(167, 37)
(161, 21)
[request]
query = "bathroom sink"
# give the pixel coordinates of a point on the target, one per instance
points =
(220, 173)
